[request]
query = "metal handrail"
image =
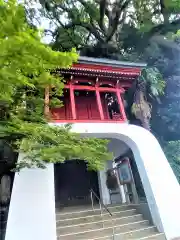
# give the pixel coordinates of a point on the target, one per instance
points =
(100, 205)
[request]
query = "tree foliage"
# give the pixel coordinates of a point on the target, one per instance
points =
(166, 110)
(109, 23)
(26, 66)
(172, 151)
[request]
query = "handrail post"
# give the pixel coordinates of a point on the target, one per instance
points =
(101, 213)
(92, 201)
(113, 229)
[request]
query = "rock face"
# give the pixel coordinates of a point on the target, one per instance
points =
(7, 162)
(5, 189)
(5, 194)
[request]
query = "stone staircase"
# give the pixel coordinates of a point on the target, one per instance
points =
(83, 223)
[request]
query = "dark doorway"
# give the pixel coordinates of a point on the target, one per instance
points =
(73, 183)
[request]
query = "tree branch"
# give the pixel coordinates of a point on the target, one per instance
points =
(87, 26)
(63, 26)
(49, 32)
(166, 43)
(102, 10)
(107, 13)
(65, 9)
(115, 22)
(164, 11)
(87, 39)
(165, 28)
(91, 27)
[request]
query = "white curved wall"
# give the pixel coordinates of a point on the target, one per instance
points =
(117, 147)
(32, 208)
(159, 182)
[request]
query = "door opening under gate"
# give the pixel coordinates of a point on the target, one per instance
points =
(73, 182)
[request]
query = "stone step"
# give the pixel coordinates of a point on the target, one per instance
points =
(95, 233)
(86, 208)
(155, 236)
(158, 236)
(85, 226)
(93, 215)
(140, 233)
(75, 212)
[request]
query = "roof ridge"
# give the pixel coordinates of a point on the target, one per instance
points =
(114, 63)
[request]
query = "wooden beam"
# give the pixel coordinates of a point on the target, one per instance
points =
(100, 68)
(84, 80)
(87, 121)
(91, 88)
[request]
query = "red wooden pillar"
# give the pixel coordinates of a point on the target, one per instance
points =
(99, 104)
(73, 105)
(121, 105)
(46, 102)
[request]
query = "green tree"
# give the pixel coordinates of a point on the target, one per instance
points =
(26, 65)
(105, 23)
